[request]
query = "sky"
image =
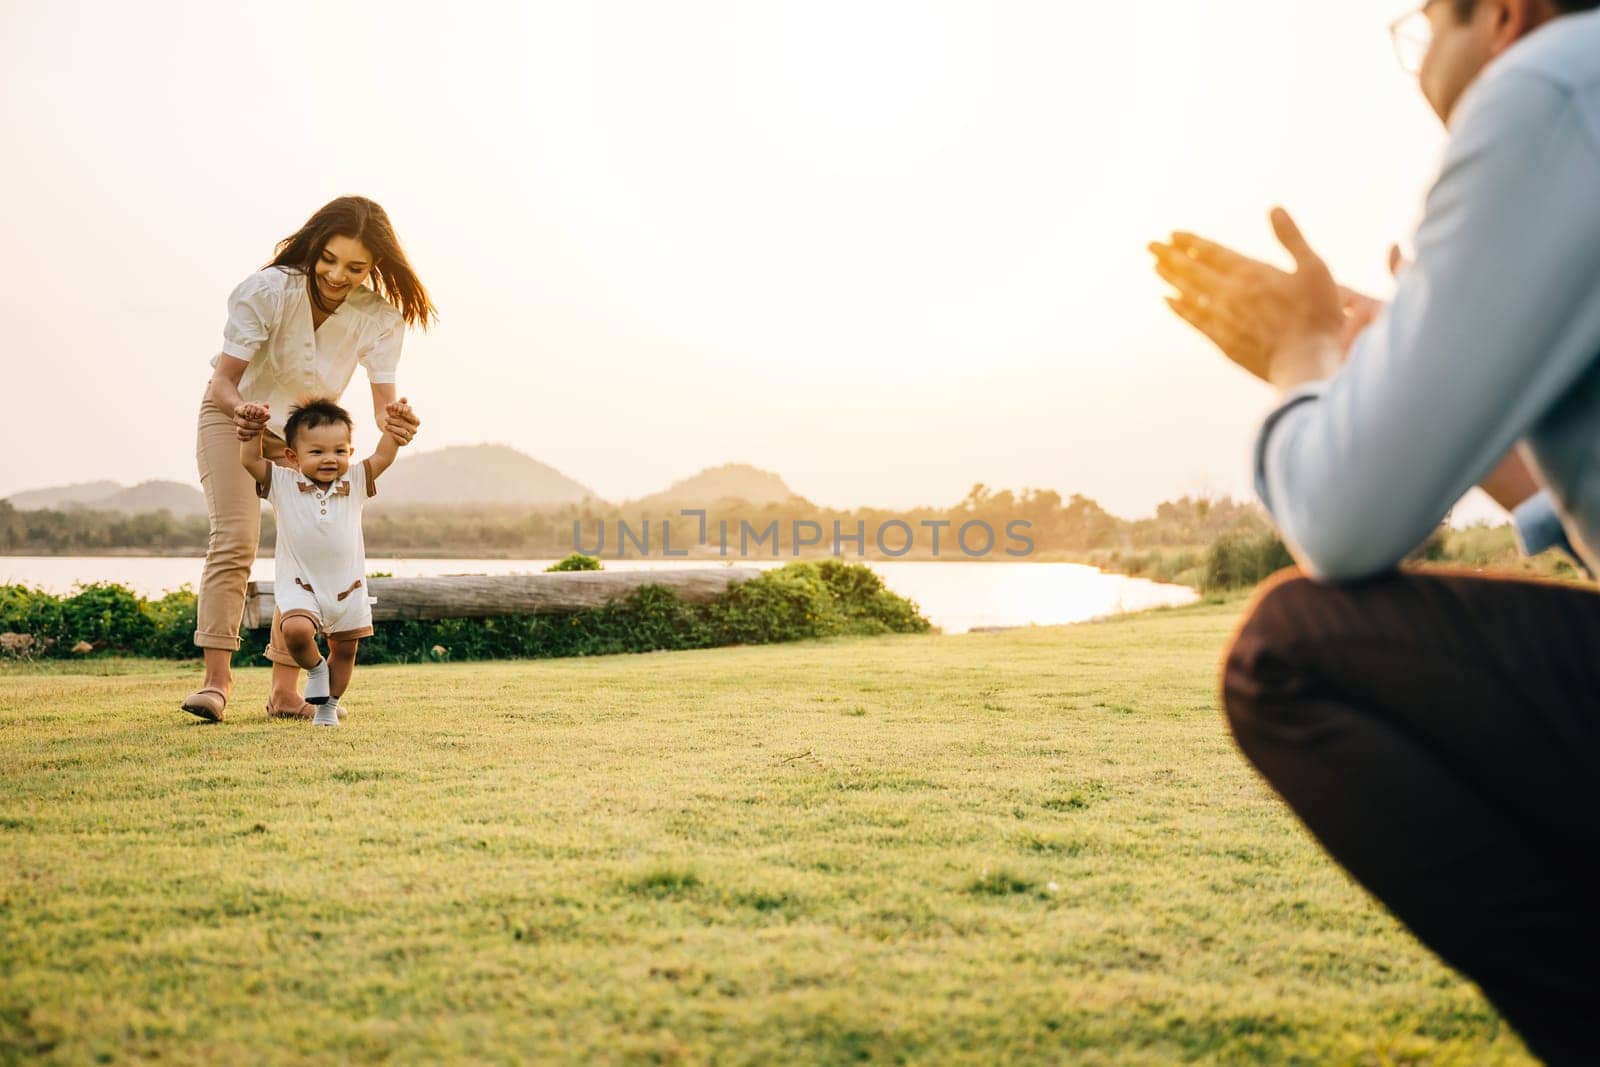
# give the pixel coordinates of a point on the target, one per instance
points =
(887, 250)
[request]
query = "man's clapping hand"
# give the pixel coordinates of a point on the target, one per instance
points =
(1281, 327)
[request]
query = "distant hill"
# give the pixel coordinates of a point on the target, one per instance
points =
(718, 485)
(462, 476)
(61, 496)
(182, 500)
(476, 474)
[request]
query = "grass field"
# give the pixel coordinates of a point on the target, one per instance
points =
(1032, 846)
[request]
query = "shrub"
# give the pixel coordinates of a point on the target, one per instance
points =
(1434, 547)
(31, 611)
(1240, 560)
(576, 561)
(106, 615)
(784, 604)
(172, 625)
(793, 602)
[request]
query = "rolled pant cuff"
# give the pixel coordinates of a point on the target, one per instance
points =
(207, 640)
(278, 655)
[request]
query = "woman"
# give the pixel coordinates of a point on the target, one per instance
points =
(339, 292)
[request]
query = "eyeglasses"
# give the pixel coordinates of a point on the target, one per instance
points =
(1412, 34)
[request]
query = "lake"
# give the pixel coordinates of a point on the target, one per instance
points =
(955, 596)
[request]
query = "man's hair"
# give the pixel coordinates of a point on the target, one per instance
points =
(319, 411)
(1465, 8)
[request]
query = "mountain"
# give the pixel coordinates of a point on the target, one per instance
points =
(462, 476)
(61, 496)
(716, 485)
(477, 474)
(182, 500)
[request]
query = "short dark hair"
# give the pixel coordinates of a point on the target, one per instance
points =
(313, 412)
(1465, 8)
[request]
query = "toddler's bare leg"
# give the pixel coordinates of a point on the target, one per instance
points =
(341, 664)
(300, 636)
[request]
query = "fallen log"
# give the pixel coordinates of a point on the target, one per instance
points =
(472, 596)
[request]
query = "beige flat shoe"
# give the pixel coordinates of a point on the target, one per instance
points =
(305, 712)
(206, 703)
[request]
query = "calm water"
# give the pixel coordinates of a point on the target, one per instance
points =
(956, 596)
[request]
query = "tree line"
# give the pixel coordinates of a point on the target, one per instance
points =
(1053, 526)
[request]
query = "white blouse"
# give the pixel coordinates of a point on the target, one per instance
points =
(269, 326)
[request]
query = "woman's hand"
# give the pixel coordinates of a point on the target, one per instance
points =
(250, 420)
(399, 421)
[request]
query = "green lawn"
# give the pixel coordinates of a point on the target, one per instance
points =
(1031, 846)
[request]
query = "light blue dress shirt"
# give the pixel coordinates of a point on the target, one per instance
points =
(1537, 524)
(1492, 338)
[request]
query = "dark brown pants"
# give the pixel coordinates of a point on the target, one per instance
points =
(1438, 731)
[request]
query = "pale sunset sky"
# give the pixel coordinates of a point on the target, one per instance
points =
(886, 250)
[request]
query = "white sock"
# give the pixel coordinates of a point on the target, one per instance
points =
(317, 682)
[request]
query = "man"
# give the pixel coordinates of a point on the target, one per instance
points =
(1437, 730)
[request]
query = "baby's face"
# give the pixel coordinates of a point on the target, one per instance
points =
(322, 452)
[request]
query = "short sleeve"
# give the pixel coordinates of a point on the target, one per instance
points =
(381, 356)
(252, 313)
(273, 476)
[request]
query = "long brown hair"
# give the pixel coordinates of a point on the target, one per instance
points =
(363, 220)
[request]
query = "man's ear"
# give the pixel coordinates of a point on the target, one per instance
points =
(1515, 19)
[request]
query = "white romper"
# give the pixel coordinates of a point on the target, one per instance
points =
(321, 558)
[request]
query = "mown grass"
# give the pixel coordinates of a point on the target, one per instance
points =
(1032, 846)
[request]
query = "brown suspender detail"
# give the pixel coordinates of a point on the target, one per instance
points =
(353, 587)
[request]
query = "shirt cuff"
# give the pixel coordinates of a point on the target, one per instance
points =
(380, 378)
(1538, 525)
(238, 351)
(1293, 398)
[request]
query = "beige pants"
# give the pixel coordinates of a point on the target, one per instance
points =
(235, 513)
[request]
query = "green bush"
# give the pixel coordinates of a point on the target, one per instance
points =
(576, 561)
(783, 604)
(32, 612)
(1435, 547)
(867, 605)
(797, 601)
(108, 616)
(172, 625)
(1240, 560)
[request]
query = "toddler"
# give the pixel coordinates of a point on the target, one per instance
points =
(321, 562)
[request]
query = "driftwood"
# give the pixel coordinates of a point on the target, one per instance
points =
(473, 596)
